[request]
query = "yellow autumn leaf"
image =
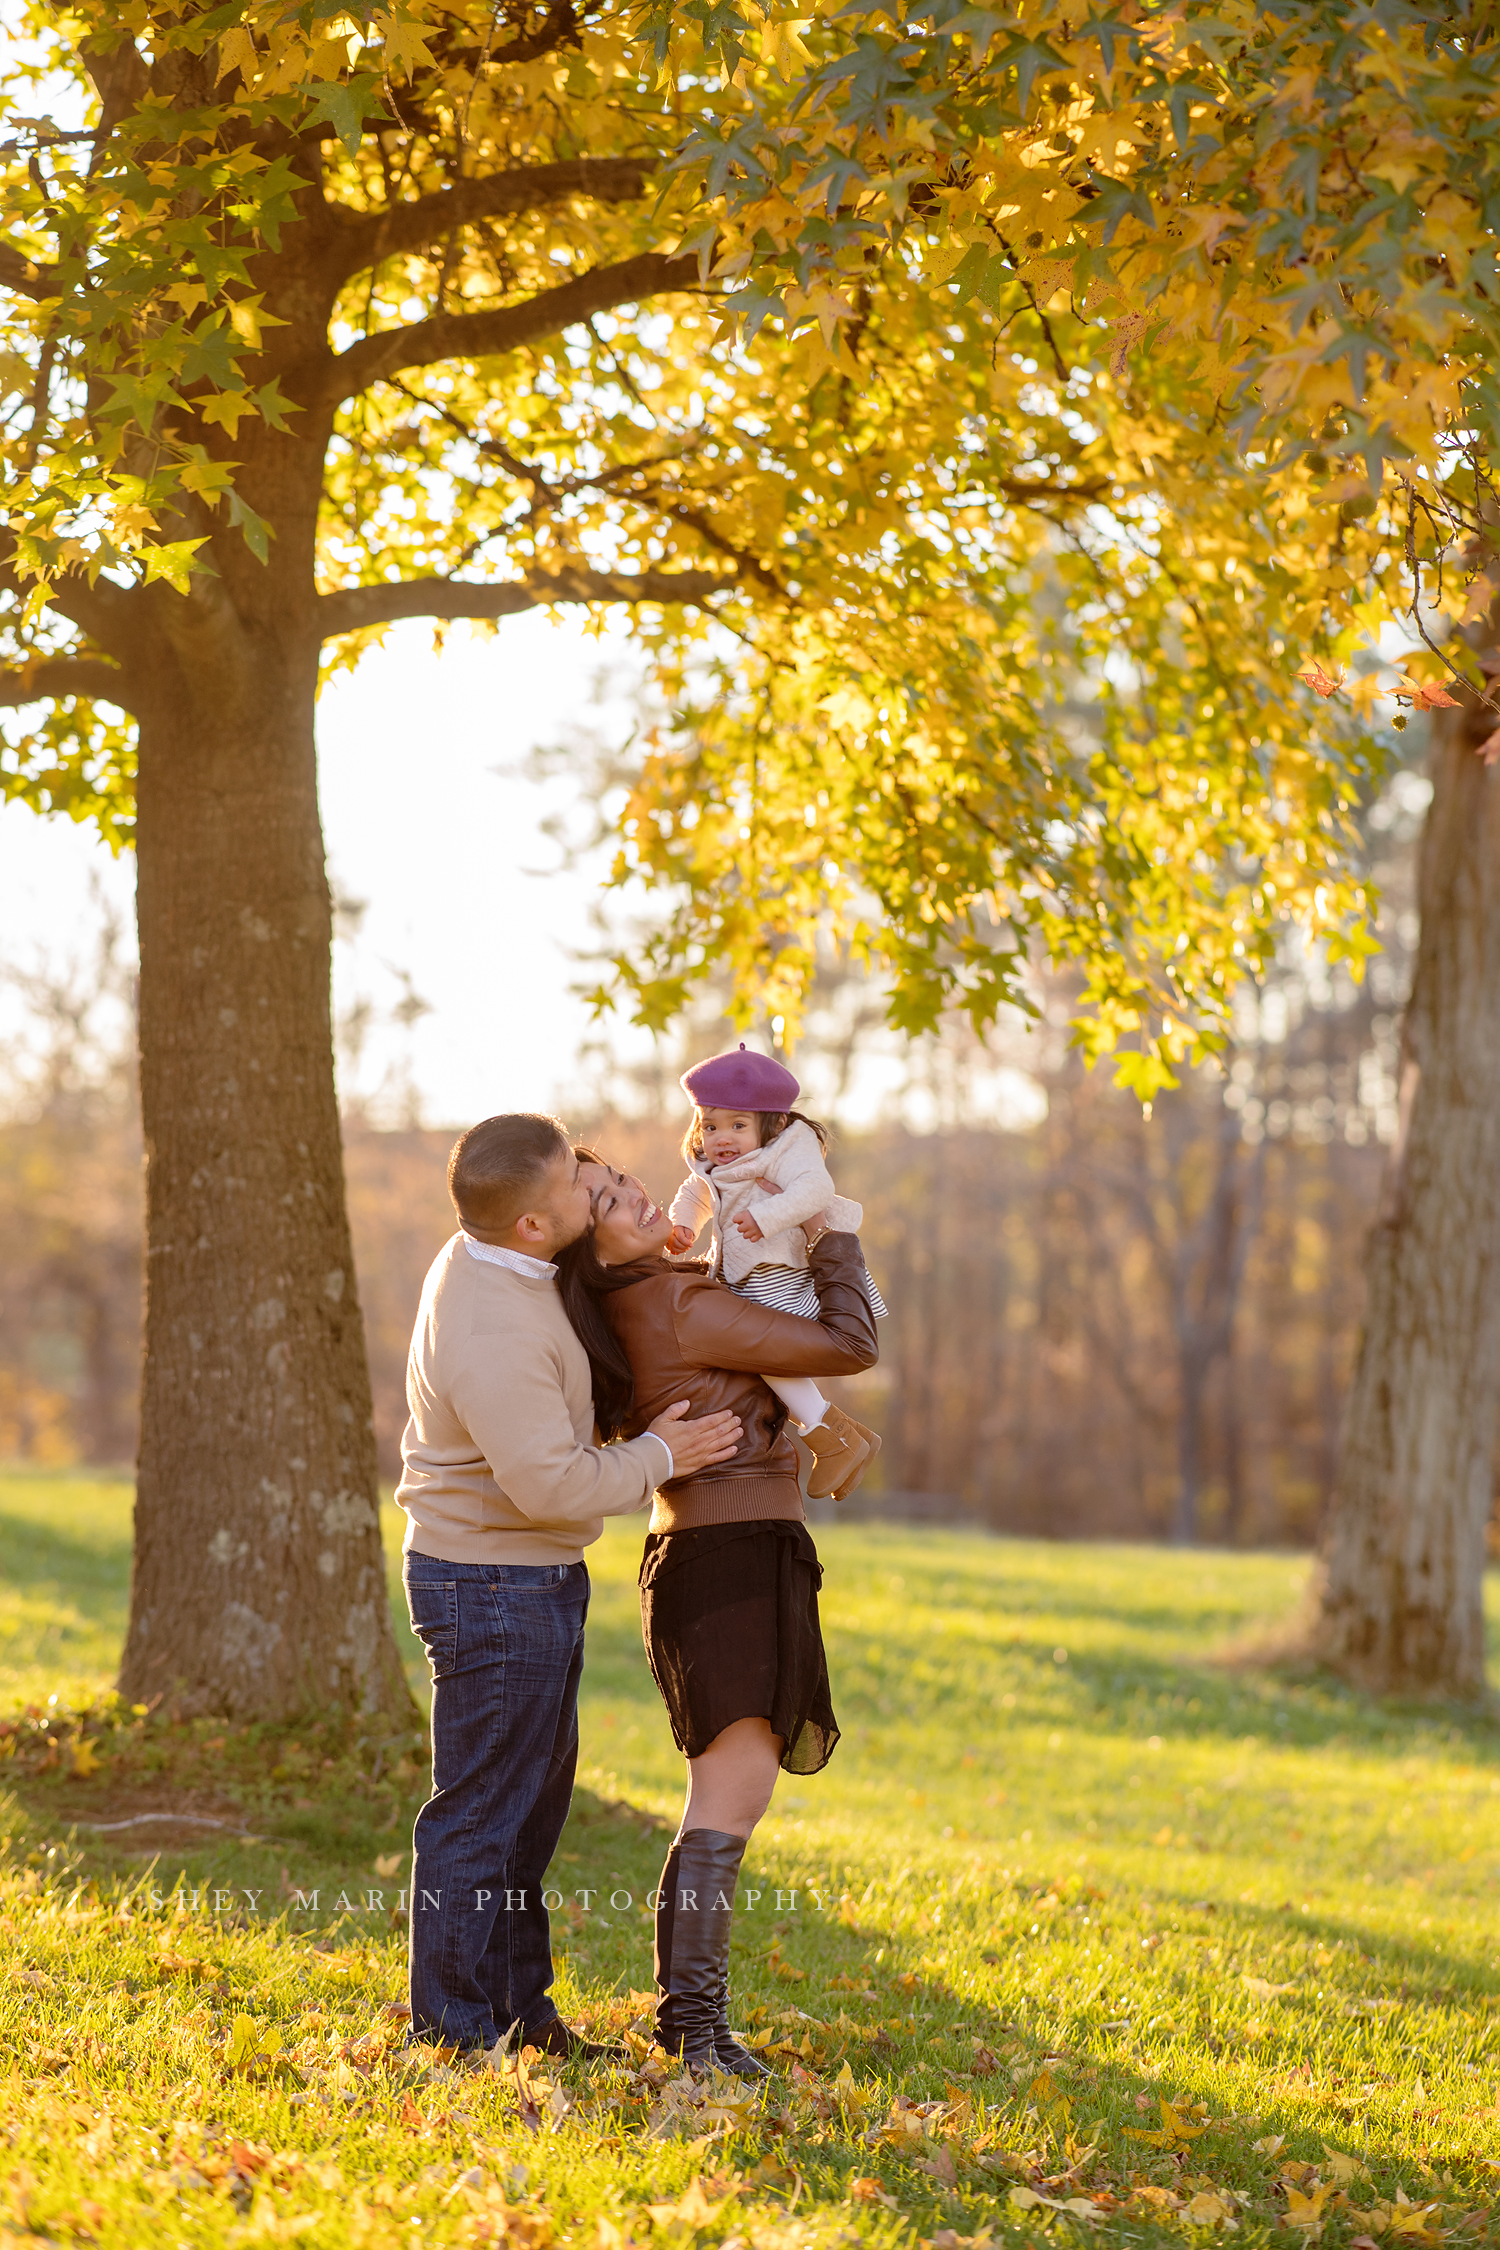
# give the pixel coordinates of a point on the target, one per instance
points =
(1306, 2210)
(1344, 2168)
(406, 46)
(131, 521)
(1263, 1991)
(227, 409)
(1175, 2129)
(85, 1759)
(1210, 2209)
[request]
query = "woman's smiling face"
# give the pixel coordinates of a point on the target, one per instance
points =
(627, 1224)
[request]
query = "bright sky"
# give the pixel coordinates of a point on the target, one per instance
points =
(421, 826)
(444, 847)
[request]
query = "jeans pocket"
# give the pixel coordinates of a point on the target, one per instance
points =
(433, 1607)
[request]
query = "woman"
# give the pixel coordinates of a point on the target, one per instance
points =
(730, 1576)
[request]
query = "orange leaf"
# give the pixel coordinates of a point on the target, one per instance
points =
(1425, 697)
(871, 2191)
(1321, 682)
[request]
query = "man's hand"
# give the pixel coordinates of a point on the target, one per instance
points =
(748, 1227)
(696, 1445)
(680, 1239)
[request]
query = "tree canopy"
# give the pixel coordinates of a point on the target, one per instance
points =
(989, 417)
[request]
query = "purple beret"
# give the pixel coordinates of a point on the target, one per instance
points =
(741, 1079)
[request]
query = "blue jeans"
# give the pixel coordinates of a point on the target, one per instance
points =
(505, 1643)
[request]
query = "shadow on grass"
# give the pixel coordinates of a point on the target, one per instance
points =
(94, 1568)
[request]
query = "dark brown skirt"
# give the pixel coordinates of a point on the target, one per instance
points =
(729, 1614)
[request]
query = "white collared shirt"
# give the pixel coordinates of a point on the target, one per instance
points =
(493, 1254)
(537, 1269)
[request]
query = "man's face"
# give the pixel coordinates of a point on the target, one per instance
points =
(563, 1204)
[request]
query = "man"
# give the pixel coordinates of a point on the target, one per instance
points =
(503, 1489)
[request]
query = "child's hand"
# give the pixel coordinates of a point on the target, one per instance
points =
(680, 1239)
(748, 1227)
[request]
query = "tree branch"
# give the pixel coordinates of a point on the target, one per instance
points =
(507, 329)
(353, 607)
(62, 675)
(694, 518)
(24, 275)
(109, 614)
(374, 235)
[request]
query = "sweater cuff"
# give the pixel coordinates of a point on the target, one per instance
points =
(667, 1450)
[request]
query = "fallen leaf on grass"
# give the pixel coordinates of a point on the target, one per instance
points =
(389, 1864)
(871, 2191)
(85, 1762)
(1076, 2206)
(1344, 2168)
(940, 2168)
(692, 2208)
(612, 2237)
(1305, 2210)
(1264, 1991)
(1210, 2209)
(1144, 2191)
(1175, 2129)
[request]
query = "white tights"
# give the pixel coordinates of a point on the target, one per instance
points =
(801, 1397)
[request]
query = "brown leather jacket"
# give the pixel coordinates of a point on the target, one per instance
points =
(688, 1336)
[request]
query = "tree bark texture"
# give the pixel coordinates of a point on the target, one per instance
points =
(259, 1582)
(1398, 1606)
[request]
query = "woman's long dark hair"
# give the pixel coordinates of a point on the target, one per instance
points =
(583, 1285)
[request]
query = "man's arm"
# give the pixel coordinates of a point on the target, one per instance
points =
(522, 1427)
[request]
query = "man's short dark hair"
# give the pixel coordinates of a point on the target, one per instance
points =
(497, 1166)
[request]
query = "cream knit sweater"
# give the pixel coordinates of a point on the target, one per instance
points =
(498, 1459)
(794, 1161)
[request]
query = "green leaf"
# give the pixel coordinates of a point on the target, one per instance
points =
(345, 105)
(254, 529)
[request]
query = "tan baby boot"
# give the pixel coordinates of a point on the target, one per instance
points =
(843, 1450)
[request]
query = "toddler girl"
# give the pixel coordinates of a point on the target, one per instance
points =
(756, 1169)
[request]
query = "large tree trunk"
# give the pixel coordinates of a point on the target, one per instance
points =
(1399, 1603)
(259, 1586)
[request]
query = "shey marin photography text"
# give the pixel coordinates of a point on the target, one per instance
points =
(359, 1898)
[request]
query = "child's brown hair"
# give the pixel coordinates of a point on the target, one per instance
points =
(773, 1123)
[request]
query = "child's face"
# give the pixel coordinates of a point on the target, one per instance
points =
(728, 1133)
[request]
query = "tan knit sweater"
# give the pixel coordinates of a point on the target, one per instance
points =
(498, 1459)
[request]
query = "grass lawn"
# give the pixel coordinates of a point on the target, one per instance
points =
(1079, 1937)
